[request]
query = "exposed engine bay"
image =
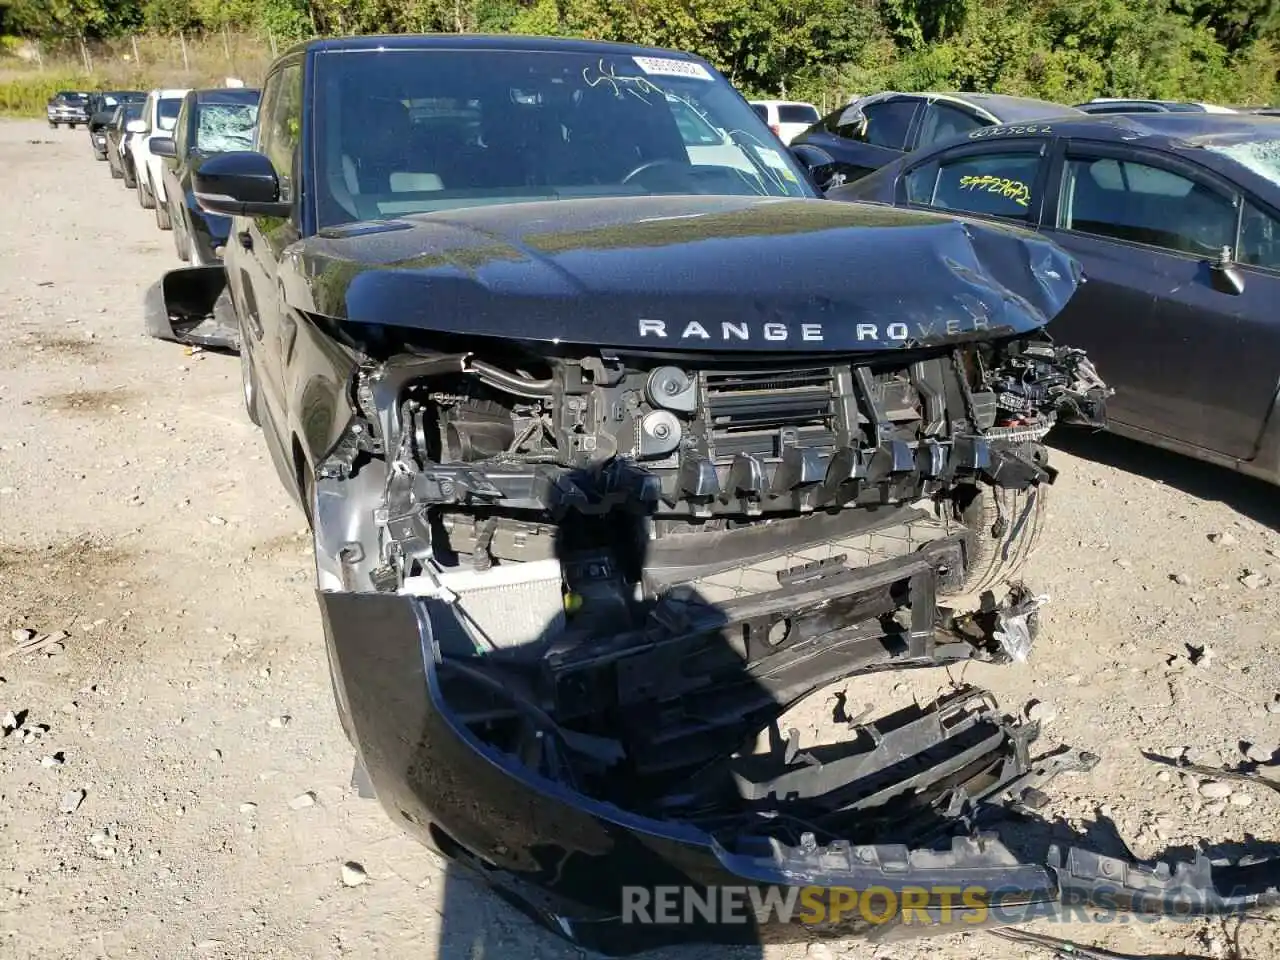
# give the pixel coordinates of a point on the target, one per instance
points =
(646, 560)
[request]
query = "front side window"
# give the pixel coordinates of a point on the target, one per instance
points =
(992, 184)
(1145, 203)
(1259, 239)
(181, 130)
(412, 131)
(281, 124)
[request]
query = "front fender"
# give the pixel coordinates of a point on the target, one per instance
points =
(318, 373)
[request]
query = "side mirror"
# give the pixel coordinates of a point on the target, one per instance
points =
(136, 126)
(162, 147)
(1224, 275)
(242, 183)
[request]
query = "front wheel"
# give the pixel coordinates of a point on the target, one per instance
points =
(1007, 526)
(53, 124)
(130, 180)
(146, 199)
(248, 384)
(162, 215)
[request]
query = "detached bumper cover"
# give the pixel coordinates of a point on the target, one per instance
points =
(565, 858)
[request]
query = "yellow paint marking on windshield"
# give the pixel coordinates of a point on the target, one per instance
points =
(1014, 190)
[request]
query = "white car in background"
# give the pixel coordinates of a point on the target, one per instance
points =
(786, 118)
(159, 114)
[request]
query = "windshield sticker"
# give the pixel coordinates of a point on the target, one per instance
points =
(774, 161)
(1014, 190)
(665, 67)
(1010, 131)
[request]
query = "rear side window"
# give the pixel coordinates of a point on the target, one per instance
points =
(761, 111)
(797, 113)
(992, 184)
(883, 124)
(1144, 203)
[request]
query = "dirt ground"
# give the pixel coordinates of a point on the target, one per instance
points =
(189, 700)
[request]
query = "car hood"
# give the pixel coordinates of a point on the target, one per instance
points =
(719, 273)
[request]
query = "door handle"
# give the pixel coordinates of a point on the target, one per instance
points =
(245, 238)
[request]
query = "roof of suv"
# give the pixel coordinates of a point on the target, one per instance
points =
(782, 103)
(483, 41)
(248, 95)
(1186, 127)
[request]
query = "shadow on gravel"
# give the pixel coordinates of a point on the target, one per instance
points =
(1251, 497)
(477, 925)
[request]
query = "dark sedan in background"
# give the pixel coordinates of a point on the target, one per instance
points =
(101, 108)
(1175, 218)
(209, 122)
(67, 107)
(872, 131)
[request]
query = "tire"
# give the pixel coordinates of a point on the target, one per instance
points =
(179, 241)
(249, 384)
(126, 171)
(146, 199)
(162, 215)
(116, 172)
(1007, 526)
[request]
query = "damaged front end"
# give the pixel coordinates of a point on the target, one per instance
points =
(571, 592)
(569, 599)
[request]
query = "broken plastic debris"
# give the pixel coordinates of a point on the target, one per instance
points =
(1013, 630)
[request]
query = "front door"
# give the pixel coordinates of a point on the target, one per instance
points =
(268, 323)
(1187, 354)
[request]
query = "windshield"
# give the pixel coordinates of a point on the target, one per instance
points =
(167, 112)
(1260, 156)
(412, 131)
(223, 127)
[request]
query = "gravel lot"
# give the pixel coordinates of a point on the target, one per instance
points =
(189, 700)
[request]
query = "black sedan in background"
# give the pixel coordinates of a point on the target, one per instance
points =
(209, 122)
(67, 107)
(101, 108)
(869, 132)
(1175, 218)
